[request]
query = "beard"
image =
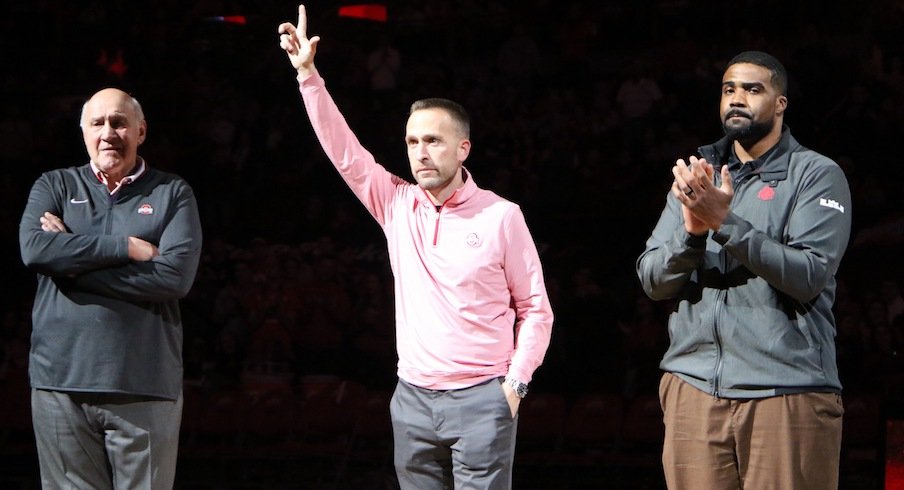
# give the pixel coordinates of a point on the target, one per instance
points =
(747, 134)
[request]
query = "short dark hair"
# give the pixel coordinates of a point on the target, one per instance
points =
(779, 77)
(458, 113)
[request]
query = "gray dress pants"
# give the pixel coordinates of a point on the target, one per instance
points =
(445, 439)
(105, 441)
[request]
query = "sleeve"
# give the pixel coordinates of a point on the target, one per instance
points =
(670, 256)
(534, 317)
(63, 254)
(374, 186)
(815, 238)
(166, 277)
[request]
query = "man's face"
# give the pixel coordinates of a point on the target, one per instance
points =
(751, 107)
(436, 150)
(112, 132)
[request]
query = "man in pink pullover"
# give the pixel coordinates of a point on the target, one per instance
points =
(473, 319)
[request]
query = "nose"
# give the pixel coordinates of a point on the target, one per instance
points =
(420, 152)
(737, 99)
(108, 131)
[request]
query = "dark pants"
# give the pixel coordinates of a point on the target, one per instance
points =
(463, 437)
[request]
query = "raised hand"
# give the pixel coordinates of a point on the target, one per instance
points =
(705, 203)
(686, 179)
(294, 41)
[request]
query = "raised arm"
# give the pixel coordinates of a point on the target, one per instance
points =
(293, 39)
(371, 183)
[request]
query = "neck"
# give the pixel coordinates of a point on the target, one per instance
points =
(114, 178)
(751, 151)
(439, 195)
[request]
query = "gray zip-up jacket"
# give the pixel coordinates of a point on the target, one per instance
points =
(102, 322)
(752, 302)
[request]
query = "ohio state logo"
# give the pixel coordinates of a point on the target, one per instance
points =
(146, 209)
(766, 193)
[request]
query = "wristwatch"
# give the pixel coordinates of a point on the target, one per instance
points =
(518, 387)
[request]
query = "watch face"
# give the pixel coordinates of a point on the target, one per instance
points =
(520, 389)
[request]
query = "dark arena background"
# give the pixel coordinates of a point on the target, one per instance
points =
(579, 110)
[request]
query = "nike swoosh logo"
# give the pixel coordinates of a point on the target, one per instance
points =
(78, 201)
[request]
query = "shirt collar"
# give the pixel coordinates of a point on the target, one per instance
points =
(734, 162)
(137, 172)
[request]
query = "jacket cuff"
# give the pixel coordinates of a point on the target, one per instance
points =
(694, 241)
(726, 230)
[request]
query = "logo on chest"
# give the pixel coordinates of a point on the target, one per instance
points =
(472, 240)
(146, 209)
(767, 193)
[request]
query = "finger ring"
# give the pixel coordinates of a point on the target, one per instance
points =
(689, 192)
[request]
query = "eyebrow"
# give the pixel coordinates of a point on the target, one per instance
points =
(105, 115)
(422, 137)
(744, 85)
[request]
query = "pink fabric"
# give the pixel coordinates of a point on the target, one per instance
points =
(465, 275)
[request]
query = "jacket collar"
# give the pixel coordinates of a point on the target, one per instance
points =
(777, 160)
(462, 194)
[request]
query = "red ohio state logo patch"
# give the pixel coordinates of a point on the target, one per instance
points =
(145, 209)
(766, 193)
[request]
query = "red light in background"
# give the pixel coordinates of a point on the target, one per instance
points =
(894, 455)
(372, 11)
(229, 19)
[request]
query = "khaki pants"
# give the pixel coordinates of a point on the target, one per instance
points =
(781, 442)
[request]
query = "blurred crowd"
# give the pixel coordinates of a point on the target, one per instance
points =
(578, 110)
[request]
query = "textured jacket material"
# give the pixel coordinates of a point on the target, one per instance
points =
(752, 302)
(102, 322)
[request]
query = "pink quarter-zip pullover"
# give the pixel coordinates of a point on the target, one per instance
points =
(470, 298)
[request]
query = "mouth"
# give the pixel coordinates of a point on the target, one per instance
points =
(736, 114)
(109, 155)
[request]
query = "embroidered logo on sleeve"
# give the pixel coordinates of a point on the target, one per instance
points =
(146, 209)
(831, 203)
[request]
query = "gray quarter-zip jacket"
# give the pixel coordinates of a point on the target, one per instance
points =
(103, 323)
(752, 313)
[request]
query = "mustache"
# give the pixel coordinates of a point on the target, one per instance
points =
(738, 112)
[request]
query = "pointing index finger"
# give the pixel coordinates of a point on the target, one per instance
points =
(302, 22)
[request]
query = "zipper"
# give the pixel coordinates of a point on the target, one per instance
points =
(108, 219)
(436, 226)
(717, 374)
(723, 294)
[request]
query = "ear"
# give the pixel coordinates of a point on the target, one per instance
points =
(142, 131)
(781, 103)
(464, 149)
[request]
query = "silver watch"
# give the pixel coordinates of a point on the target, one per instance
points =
(518, 387)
